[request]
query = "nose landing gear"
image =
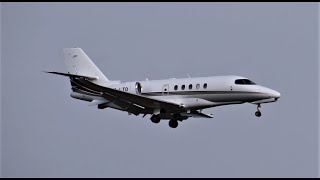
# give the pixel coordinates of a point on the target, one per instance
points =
(258, 113)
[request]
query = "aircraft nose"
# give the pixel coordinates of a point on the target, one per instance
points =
(271, 93)
(275, 94)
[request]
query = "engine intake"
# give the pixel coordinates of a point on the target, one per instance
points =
(138, 88)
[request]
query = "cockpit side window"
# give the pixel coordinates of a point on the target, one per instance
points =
(239, 81)
(244, 82)
(248, 81)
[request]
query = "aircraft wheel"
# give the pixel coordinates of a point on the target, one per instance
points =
(155, 119)
(173, 123)
(258, 113)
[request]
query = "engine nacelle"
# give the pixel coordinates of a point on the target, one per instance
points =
(138, 88)
(81, 96)
(130, 87)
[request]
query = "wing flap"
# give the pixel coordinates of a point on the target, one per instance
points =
(197, 114)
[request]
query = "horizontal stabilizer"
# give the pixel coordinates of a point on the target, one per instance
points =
(72, 75)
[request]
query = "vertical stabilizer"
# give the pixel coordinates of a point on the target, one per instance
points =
(77, 62)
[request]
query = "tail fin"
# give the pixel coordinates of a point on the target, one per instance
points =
(78, 63)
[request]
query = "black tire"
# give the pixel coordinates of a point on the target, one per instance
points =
(156, 119)
(258, 113)
(173, 123)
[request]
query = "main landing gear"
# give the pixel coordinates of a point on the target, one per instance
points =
(173, 123)
(155, 119)
(258, 113)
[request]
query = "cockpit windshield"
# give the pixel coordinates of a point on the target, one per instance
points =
(244, 82)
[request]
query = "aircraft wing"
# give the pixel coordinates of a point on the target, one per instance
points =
(134, 99)
(197, 114)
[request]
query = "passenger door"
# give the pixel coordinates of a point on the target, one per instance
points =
(165, 89)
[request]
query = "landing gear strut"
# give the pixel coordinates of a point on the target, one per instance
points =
(173, 123)
(258, 113)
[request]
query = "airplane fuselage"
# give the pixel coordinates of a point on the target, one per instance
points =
(174, 99)
(217, 90)
(192, 93)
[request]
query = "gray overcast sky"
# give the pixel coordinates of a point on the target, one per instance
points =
(46, 133)
(0, 87)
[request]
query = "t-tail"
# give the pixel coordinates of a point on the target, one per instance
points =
(79, 65)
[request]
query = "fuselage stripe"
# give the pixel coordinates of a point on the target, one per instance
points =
(197, 92)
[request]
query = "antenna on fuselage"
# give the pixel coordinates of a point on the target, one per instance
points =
(189, 76)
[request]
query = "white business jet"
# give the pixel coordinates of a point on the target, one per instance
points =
(170, 99)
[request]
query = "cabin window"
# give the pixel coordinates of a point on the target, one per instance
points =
(190, 86)
(198, 86)
(176, 87)
(205, 85)
(183, 86)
